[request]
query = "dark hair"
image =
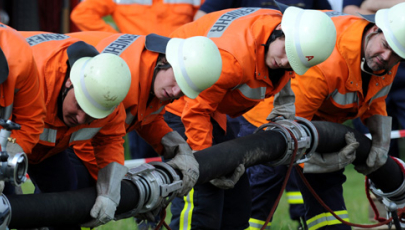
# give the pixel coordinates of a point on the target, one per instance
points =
(274, 74)
(273, 36)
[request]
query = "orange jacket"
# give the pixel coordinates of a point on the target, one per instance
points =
(135, 16)
(103, 136)
(144, 111)
(90, 37)
(21, 98)
(332, 91)
(244, 81)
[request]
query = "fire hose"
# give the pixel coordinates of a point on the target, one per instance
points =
(147, 186)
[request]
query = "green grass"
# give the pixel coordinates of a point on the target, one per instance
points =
(354, 194)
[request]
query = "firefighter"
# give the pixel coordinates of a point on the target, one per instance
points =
(260, 49)
(162, 69)
(134, 16)
(83, 91)
(353, 82)
(21, 98)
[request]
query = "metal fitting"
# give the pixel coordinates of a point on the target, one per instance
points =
(157, 183)
(13, 167)
(314, 137)
(288, 128)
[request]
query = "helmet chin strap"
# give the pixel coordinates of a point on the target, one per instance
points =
(364, 67)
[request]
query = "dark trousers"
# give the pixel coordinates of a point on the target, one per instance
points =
(266, 183)
(209, 206)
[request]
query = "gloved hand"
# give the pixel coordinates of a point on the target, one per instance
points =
(283, 104)
(330, 162)
(184, 160)
(380, 130)
(108, 194)
(227, 183)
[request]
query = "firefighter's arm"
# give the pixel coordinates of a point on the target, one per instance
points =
(153, 132)
(108, 146)
(310, 91)
(379, 125)
(88, 15)
(197, 113)
(283, 104)
(108, 143)
(29, 106)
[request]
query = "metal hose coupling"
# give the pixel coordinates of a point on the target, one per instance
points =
(290, 129)
(157, 183)
(13, 166)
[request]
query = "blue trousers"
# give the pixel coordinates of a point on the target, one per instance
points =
(139, 148)
(266, 183)
(209, 206)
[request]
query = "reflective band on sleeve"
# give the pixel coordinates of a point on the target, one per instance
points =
(5, 112)
(226, 19)
(344, 99)
(382, 93)
(159, 110)
(84, 134)
(129, 118)
(39, 38)
(388, 32)
(252, 93)
(183, 70)
(86, 93)
(48, 135)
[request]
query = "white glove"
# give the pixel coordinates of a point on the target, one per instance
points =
(283, 104)
(330, 162)
(227, 183)
(108, 194)
(380, 130)
(183, 160)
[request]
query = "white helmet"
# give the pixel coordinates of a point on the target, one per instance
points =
(310, 37)
(100, 83)
(196, 63)
(392, 23)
